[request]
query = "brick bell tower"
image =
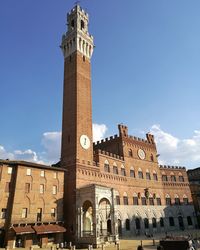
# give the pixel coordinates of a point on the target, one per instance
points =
(77, 147)
(77, 46)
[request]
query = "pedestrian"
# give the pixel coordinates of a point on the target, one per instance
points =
(140, 248)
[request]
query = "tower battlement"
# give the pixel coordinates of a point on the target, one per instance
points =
(171, 167)
(77, 37)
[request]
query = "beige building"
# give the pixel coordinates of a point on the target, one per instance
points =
(31, 204)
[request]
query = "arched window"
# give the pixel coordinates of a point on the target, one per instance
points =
(72, 23)
(135, 199)
(171, 221)
(140, 173)
(148, 176)
(155, 176)
(115, 168)
(189, 221)
(151, 157)
(181, 178)
(168, 200)
(106, 166)
(151, 200)
(137, 223)
(123, 171)
(130, 153)
(146, 223)
(82, 25)
(185, 200)
(154, 223)
(164, 177)
(173, 178)
(127, 225)
(158, 200)
(143, 200)
(161, 222)
(132, 172)
(117, 197)
(177, 200)
(125, 198)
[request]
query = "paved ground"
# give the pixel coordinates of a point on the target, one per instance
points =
(132, 244)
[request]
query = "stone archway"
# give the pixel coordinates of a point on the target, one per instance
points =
(87, 218)
(105, 217)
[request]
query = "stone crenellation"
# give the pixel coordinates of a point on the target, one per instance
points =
(116, 136)
(106, 139)
(170, 167)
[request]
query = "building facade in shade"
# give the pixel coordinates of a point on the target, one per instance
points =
(114, 187)
(31, 204)
(194, 180)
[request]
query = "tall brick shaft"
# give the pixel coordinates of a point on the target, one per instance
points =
(77, 47)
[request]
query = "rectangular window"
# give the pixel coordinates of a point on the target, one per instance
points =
(3, 213)
(24, 212)
(117, 200)
(9, 170)
(54, 190)
(28, 171)
(7, 187)
(41, 188)
(53, 213)
(27, 187)
(39, 214)
(55, 175)
(42, 173)
(135, 201)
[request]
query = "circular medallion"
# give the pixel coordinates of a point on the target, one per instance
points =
(141, 154)
(85, 141)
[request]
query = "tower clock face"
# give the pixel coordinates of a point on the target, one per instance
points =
(141, 154)
(85, 141)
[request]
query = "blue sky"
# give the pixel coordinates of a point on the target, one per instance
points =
(145, 74)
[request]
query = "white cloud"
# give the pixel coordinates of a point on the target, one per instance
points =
(99, 131)
(52, 145)
(51, 142)
(26, 155)
(4, 154)
(176, 151)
